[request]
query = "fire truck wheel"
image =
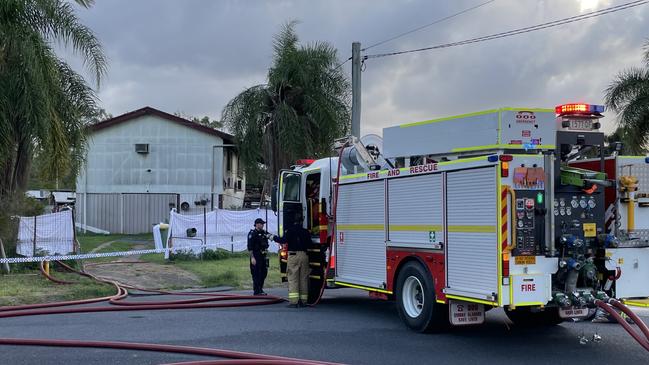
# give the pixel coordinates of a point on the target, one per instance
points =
(525, 317)
(416, 303)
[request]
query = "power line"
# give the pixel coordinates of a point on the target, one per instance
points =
(510, 33)
(427, 25)
(342, 63)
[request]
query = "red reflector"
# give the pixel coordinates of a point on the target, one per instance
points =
(506, 158)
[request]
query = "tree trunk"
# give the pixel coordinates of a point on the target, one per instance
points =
(22, 166)
(7, 169)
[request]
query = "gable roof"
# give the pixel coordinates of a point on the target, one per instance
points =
(147, 110)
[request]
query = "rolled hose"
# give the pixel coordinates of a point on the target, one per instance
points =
(242, 357)
(644, 342)
(208, 300)
(643, 327)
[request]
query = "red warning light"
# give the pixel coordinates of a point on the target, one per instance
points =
(578, 108)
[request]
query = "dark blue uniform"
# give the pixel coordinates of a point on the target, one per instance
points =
(258, 247)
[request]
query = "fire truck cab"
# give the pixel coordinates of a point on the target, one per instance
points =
(455, 216)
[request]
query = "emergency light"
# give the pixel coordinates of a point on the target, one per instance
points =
(304, 162)
(577, 108)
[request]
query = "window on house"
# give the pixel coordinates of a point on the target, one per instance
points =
(142, 148)
(228, 160)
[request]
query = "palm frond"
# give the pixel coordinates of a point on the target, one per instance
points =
(626, 86)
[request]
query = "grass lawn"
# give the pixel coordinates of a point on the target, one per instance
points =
(27, 288)
(222, 268)
(90, 241)
(233, 269)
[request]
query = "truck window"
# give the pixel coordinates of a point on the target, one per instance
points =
(291, 187)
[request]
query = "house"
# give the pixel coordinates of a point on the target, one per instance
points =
(143, 163)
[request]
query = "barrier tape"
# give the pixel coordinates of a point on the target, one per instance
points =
(16, 260)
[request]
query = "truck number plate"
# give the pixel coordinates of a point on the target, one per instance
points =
(524, 260)
(465, 313)
(571, 312)
(581, 125)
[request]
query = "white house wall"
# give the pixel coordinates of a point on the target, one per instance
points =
(179, 159)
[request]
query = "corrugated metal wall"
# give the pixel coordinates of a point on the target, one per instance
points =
(124, 213)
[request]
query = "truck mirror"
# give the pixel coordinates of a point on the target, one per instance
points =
(273, 198)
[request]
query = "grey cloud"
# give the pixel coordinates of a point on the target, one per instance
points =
(195, 55)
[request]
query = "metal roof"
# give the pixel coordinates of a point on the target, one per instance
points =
(147, 110)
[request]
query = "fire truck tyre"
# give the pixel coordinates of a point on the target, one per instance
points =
(416, 303)
(525, 317)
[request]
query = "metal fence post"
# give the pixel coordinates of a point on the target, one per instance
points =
(34, 249)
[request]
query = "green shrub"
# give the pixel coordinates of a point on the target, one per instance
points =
(218, 254)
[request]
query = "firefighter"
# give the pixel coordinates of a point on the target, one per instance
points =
(258, 248)
(298, 239)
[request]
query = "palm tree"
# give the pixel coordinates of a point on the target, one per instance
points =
(43, 101)
(298, 113)
(628, 95)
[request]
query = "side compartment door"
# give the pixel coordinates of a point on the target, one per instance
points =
(472, 245)
(289, 199)
(360, 226)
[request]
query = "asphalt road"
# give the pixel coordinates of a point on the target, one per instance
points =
(347, 327)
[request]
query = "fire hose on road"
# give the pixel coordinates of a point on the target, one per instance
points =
(117, 303)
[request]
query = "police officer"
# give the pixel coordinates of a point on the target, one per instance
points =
(258, 248)
(298, 239)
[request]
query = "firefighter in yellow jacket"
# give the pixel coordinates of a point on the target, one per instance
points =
(298, 239)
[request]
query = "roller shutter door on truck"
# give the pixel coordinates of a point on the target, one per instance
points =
(472, 246)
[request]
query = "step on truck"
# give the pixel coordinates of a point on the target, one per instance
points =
(451, 217)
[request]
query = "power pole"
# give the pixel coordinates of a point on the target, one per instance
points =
(356, 89)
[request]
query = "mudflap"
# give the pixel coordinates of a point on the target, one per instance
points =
(465, 313)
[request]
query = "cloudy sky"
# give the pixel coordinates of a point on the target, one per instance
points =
(193, 56)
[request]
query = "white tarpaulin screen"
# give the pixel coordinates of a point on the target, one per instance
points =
(225, 229)
(54, 234)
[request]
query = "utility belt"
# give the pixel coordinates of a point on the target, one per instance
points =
(263, 253)
(291, 253)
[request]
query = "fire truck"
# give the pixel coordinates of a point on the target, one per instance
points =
(525, 209)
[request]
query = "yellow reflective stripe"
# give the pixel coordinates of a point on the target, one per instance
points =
(449, 118)
(461, 160)
(472, 300)
(363, 287)
(498, 146)
(304, 296)
(353, 176)
(415, 228)
(637, 302)
(310, 170)
(440, 301)
(360, 227)
(539, 110)
(293, 295)
(529, 304)
(630, 157)
(472, 229)
(444, 119)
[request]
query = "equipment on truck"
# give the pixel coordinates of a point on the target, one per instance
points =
(454, 216)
